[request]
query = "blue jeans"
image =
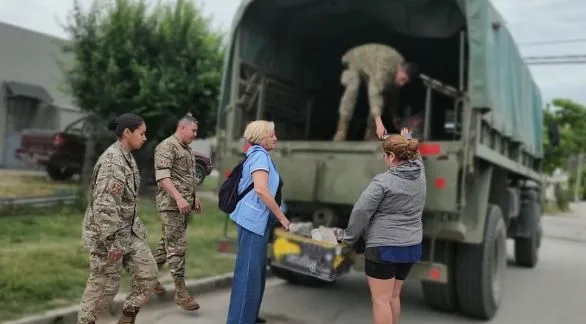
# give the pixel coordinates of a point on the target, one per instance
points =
(249, 275)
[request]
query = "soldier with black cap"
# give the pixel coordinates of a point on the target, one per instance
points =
(384, 69)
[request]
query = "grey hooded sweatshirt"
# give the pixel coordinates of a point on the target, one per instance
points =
(389, 210)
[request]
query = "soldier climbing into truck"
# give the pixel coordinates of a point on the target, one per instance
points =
(385, 70)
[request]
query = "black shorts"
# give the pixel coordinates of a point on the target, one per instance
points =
(387, 270)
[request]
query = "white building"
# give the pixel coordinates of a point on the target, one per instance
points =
(30, 82)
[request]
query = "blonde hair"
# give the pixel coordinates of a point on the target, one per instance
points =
(404, 149)
(257, 130)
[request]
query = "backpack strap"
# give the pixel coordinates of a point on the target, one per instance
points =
(247, 190)
(251, 186)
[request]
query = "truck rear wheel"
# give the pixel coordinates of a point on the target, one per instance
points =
(526, 248)
(480, 269)
(441, 296)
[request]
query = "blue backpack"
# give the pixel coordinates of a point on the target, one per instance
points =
(228, 196)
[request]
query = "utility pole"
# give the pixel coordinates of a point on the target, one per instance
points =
(578, 183)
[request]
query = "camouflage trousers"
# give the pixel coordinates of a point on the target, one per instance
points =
(351, 80)
(173, 243)
(104, 280)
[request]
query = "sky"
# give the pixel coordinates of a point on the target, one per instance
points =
(529, 21)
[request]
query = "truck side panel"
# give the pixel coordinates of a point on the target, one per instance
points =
(477, 194)
(500, 80)
(302, 185)
(442, 183)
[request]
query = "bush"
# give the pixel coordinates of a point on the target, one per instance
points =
(563, 198)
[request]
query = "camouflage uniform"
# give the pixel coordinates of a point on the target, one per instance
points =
(176, 161)
(375, 64)
(111, 221)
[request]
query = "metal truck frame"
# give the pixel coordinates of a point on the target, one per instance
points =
(483, 187)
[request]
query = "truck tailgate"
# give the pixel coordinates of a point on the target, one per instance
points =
(337, 172)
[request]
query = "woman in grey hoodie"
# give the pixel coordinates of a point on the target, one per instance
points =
(388, 214)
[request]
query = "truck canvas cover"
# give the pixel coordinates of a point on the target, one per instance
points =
(497, 78)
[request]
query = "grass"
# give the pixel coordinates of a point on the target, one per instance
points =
(43, 264)
(18, 185)
(551, 209)
(209, 184)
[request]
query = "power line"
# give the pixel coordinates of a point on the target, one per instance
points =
(556, 57)
(556, 41)
(567, 59)
(568, 62)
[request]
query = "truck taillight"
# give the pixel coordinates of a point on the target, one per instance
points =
(58, 139)
(440, 183)
(434, 274)
(427, 149)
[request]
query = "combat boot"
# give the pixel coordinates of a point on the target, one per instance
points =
(370, 133)
(182, 297)
(342, 130)
(128, 315)
(159, 289)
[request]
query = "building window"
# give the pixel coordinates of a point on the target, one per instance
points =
(21, 113)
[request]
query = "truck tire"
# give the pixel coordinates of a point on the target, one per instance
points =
(439, 296)
(480, 269)
(57, 173)
(527, 247)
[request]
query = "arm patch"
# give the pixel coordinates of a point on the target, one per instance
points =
(116, 188)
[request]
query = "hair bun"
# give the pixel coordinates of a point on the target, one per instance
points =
(112, 125)
(412, 149)
(413, 145)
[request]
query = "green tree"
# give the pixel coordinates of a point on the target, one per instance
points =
(158, 61)
(571, 118)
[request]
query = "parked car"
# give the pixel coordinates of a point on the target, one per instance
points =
(62, 153)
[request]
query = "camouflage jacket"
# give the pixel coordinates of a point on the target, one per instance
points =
(375, 61)
(111, 215)
(378, 64)
(176, 161)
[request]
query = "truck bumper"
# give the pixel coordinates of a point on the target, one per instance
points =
(423, 270)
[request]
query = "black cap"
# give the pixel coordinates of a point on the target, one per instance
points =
(412, 70)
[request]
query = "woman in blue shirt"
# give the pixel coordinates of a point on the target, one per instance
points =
(255, 215)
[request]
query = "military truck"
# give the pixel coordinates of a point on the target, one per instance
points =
(482, 139)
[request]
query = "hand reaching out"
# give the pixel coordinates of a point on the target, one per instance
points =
(406, 132)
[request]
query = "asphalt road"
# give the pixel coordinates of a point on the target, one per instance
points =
(554, 292)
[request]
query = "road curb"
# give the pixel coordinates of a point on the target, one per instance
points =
(197, 287)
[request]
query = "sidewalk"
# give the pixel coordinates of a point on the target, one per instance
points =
(195, 287)
(567, 226)
(577, 209)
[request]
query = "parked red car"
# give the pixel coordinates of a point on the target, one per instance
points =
(62, 153)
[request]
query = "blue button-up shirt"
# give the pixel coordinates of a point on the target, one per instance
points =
(251, 212)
